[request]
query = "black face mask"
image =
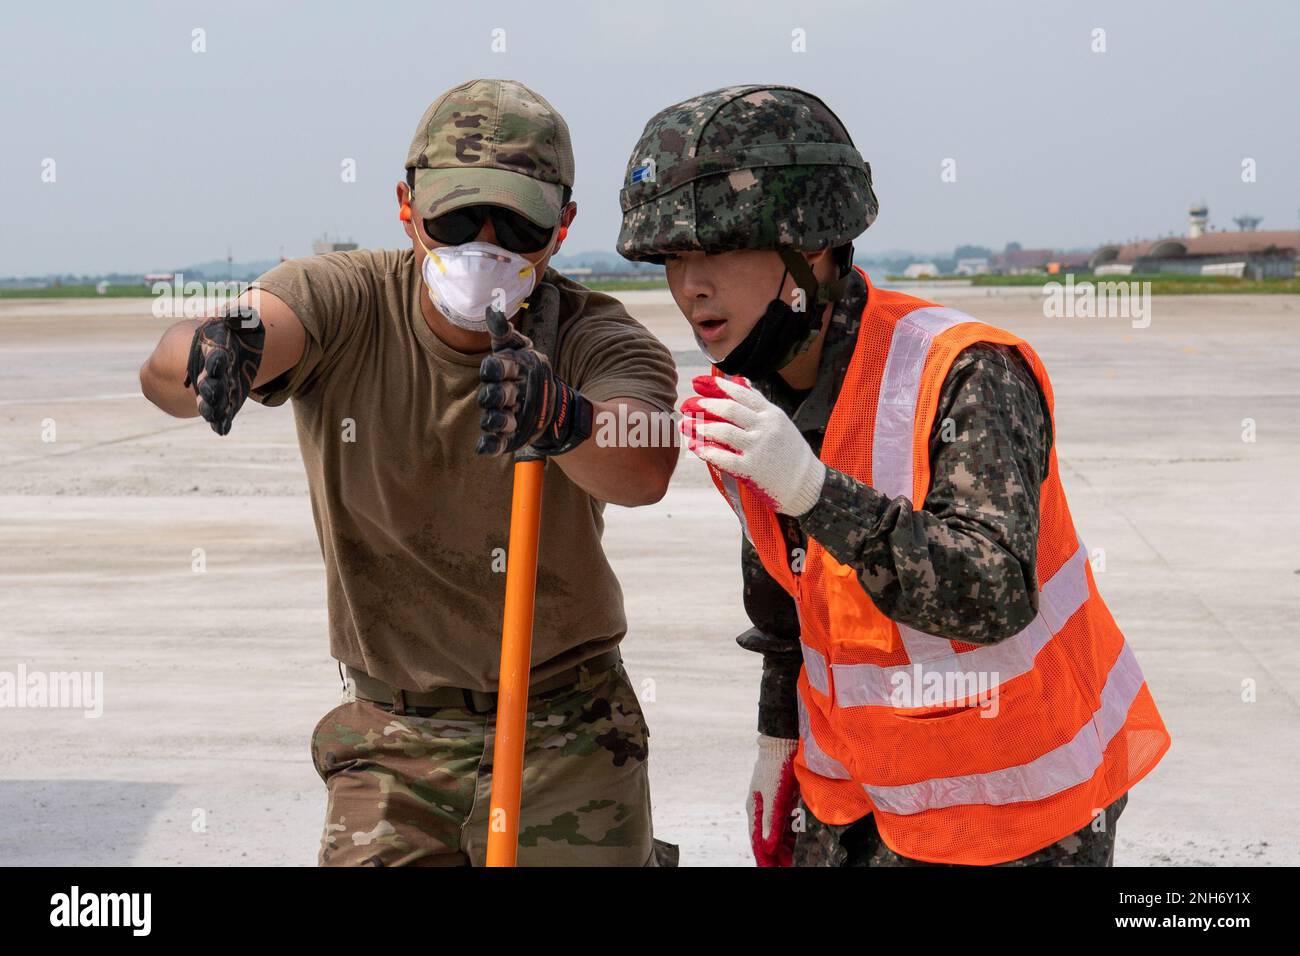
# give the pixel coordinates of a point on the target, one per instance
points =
(771, 345)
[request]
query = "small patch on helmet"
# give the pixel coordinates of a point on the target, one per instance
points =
(645, 173)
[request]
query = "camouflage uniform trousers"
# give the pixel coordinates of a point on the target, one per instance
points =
(414, 790)
(859, 844)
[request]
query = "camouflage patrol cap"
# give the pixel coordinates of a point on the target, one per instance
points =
(494, 142)
(744, 167)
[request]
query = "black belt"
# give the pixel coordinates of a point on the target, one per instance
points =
(480, 702)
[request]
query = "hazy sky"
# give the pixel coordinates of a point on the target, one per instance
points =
(163, 156)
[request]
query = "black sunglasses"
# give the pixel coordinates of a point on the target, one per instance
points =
(515, 233)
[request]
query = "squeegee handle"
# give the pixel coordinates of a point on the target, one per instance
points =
(516, 657)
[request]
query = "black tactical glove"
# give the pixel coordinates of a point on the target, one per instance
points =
(523, 401)
(225, 355)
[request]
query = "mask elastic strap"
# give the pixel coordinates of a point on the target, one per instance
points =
(784, 272)
(416, 229)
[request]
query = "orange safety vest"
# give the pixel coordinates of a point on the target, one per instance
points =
(966, 753)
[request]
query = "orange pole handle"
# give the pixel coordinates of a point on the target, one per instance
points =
(516, 657)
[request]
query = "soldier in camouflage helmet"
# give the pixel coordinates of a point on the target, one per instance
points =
(751, 191)
(751, 168)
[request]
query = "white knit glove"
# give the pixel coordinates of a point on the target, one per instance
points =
(733, 427)
(773, 794)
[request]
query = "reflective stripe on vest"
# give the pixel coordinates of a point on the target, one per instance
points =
(871, 685)
(816, 759)
(814, 665)
(1066, 766)
(731, 488)
(891, 444)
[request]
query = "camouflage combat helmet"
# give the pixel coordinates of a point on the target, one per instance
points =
(745, 167)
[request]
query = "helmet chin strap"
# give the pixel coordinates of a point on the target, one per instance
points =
(826, 293)
(782, 332)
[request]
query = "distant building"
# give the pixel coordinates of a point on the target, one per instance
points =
(1064, 262)
(971, 267)
(1250, 253)
(1021, 261)
(919, 270)
(325, 245)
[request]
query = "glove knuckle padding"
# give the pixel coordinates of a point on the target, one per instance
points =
(513, 363)
(216, 362)
(492, 369)
(497, 395)
(211, 391)
(489, 445)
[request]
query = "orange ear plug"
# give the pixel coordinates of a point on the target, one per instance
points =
(404, 213)
(564, 231)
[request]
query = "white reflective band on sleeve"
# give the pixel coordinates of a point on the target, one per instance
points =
(891, 443)
(732, 490)
(814, 665)
(862, 685)
(813, 755)
(1067, 766)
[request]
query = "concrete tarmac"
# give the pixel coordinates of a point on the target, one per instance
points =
(1175, 441)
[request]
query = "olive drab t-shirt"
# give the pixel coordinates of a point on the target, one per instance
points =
(413, 525)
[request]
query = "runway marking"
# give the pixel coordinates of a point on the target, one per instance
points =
(98, 444)
(75, 398)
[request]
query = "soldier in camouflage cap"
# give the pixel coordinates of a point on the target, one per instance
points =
(726, 189)
(410, 407)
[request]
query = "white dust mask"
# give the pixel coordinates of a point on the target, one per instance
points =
(464, 280)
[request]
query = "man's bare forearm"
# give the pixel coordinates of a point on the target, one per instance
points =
(162, 376)
(615, 471)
